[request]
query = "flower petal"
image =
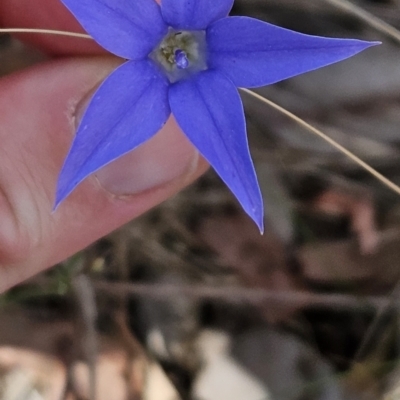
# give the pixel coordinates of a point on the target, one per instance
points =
(254, 53)
(194, 14)
(130, 106)
(128, 28)
(209, 110)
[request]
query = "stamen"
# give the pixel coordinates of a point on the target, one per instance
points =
(181, 59)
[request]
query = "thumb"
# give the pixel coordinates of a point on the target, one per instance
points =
(38, 112)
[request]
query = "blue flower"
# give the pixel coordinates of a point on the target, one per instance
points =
(186, 57)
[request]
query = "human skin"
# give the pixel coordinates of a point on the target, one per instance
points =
(39, 111)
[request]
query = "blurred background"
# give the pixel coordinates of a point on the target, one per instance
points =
(189, 302)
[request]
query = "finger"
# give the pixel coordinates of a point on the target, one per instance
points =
(46, 14)
(38, 111)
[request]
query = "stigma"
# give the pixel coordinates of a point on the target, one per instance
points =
(181, 59)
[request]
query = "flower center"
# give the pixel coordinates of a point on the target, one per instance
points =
(181, 54)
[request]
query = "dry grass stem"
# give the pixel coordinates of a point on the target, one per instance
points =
(391, 185)
(45, 32)
(367, 17)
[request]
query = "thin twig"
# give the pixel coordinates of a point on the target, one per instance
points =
(85, 297)
(329, 140)
(367, 17)
(46, 32)
(233, 294)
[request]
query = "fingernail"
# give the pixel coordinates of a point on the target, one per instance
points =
(167, 156)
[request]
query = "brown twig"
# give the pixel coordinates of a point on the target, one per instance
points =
(242, 295)
(85, 297)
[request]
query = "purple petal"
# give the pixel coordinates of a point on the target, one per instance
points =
(209, 110)
(254, 53)
(128, 28)
(130, 106)
(194, 14)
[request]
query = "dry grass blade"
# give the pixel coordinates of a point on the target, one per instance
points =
(391, 185)
(46, 32)
(367, 17)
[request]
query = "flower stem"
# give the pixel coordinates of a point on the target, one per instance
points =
(45, 32)
(391, 185)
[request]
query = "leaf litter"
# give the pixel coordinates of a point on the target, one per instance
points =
(327, 264)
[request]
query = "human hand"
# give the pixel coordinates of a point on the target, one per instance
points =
(39, 111)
